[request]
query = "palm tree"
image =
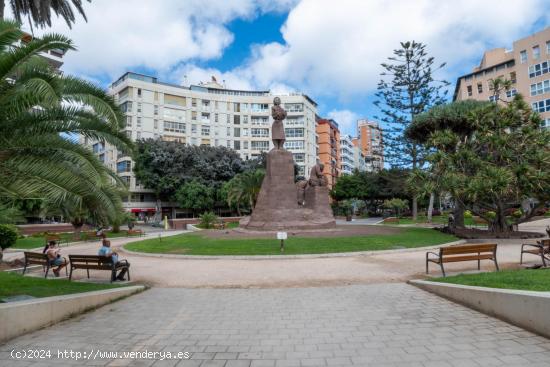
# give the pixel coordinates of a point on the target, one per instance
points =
(42, 113)
(41, 10)
(244, 188)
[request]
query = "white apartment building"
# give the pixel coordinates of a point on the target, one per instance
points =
(347, 155)
(359, 160)
(205, 114)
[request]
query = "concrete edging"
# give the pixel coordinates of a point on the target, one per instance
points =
(526, 309)
(286, 257)
(18, 318)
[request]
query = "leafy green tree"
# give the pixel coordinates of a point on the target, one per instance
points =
(397, 205)
(41, 11)
(505, 160)
(41, 113)
(207, 220)
(195, 196)
(8, 237)
(165, 166)
(407, 89)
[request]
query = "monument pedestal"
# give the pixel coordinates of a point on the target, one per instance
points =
(277, 206)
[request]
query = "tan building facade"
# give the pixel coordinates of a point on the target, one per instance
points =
(526, 65)
(370, 143)
(328, 141)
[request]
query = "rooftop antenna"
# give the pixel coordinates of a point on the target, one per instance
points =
(224, 83)
(185, 80)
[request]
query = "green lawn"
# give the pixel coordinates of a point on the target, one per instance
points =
(525, 279)
(436, 219)
(31, 242)
(16, 284)
(197, 244)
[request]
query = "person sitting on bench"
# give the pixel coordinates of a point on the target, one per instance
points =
(123, 265)
(54, 257)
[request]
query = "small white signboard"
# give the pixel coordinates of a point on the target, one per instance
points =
(281, 235)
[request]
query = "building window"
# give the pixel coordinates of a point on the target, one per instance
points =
(546, 124)
(138, 135)
(156, 110)
(236, 132)
(205, 117)
(174, 100)
(216, 105)
(299, 157)
(237, 119)
(523, 57)
(176, 127)
(139, 92)
(260, 120)
(138, 121)
(205, 130)
(126, 106)
(258, 107)
(193, 102)
(245, 132)
(129, 121)
(541, 106)
(124, 166)
(513, 78)
(548, 47)
(259, 133)
(228, 131)
(205, 104)
(469, 88)
(294, 107)
(245, 145)
(479, 88)
(294, 132)
(236, 107)
(193, 129)
(511, 93)
(215, 117)
(245, 106)
(237, 145)
(294, 144)
(98, 147)
(155, 124)
(173, 114)
(536, 52)
(193, 115)
(259, 145)
(539, 69)
(245, 119)
(294, 121)
(540, 88)
(139, 107)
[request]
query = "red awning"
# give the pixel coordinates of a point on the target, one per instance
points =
(142, 210)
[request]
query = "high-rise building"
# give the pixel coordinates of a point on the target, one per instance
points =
(205, 114)
(347, 155)
(328, 141)
(369, 141)
(526, 65)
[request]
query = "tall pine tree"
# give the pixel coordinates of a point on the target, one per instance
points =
(407, 88)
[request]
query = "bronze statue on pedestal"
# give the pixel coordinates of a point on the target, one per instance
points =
(278, 128)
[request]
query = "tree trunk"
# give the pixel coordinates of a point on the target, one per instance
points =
(2, 6)
(458, 214)
(431, 207)
(1, 254)
(500, 225)
(415, 209)
(77, 228)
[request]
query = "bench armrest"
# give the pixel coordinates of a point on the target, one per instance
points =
(431, 252)
(532, 245)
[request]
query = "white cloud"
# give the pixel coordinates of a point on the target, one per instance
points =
(346, 119)
(124, 34)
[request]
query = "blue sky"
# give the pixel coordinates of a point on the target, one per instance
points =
(329, 50)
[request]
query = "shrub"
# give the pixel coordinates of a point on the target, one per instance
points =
(8, 235)
(207, 220)
(468, 214)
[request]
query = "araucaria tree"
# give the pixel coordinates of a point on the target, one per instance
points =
(502, 163)
(407, 88)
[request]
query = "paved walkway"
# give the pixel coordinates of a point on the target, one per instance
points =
(281, 272)
(361, 325)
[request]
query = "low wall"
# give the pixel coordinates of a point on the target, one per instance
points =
(18, 318)
(182, 223)
(526, 309)
(27, 229)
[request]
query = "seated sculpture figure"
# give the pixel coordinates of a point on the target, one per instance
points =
(316, 177)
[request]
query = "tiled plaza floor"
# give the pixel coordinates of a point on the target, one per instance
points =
(359, 325)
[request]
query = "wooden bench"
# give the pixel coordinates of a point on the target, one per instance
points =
(91, 235)
(37, 258)
(482, 251)
(541, 248)
(134, 232)
(95, 262)
(55, 237)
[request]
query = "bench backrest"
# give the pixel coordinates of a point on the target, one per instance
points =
(91, 262)
(468, 249)
(36, 258)
(53, 237)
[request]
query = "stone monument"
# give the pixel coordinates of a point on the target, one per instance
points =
(283, 204)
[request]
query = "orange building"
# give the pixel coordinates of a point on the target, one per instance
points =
(328, 142)
(369, 140)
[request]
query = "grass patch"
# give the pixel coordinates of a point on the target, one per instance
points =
(525, 279)
(15, 284)
(197, 244)
(31, 242)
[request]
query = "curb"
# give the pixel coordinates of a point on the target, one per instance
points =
(526, 309)
(21, 317)
(287, 257)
